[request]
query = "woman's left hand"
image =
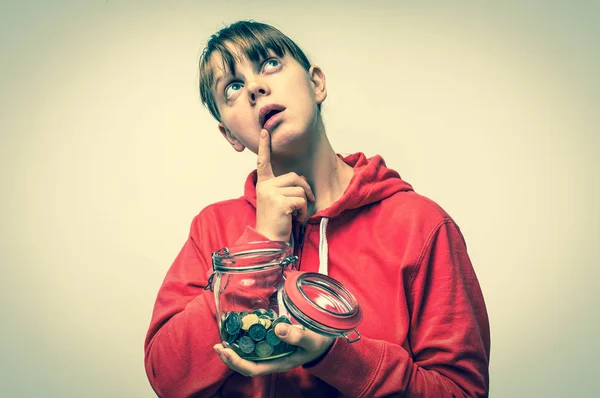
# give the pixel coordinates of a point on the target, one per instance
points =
(310, 347)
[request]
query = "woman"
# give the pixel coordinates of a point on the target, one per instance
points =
(425, 330)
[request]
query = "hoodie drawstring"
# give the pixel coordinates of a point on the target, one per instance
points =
(323, 248)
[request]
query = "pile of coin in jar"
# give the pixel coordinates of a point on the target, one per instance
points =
(252, 334)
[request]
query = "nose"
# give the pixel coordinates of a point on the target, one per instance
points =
(256, 89)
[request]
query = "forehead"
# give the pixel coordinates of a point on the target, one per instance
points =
(224, 64)
(230, 59)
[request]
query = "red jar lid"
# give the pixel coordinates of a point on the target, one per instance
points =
(323, 302)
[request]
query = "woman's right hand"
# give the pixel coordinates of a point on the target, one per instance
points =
(278, 198)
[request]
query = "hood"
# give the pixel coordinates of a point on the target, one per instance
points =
(372, 182)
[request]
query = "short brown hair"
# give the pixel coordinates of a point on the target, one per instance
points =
(252, 39)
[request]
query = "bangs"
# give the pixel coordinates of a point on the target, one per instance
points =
(251, 48)
(251, 40)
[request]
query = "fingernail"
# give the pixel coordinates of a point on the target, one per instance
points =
(263, 134)
(283, 329)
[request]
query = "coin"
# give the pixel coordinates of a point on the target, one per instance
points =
(265, 321)
(257, 332)
(252, 334)
(272, 338)
(249, 320)
(233, 323)
(246, 345)
(263, 349)
(259, 312)
(281, 319)
(231, 338)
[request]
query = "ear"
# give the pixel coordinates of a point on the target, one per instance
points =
(237, 145)
(319, 85)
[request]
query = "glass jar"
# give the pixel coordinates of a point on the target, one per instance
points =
(256, 286)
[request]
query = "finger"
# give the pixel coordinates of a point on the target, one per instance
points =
(219, 350)
(299, 206)
(297, 336)
(292, 192)
(236, 363)
(263, 162)
(249, 368)
(293, 179)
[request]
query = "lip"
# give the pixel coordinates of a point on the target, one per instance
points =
(273, 121)
(263, 113)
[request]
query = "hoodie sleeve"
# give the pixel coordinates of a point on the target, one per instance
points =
(449, 334)
(179, 358)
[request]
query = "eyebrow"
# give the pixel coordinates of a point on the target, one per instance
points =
(225, 73)
(217, 81)
(258, 62)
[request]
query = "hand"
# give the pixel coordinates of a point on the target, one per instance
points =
(278, 198)
(310, 347)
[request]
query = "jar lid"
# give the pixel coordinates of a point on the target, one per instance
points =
(321, 303)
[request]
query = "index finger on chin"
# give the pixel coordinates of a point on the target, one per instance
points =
(263, 161)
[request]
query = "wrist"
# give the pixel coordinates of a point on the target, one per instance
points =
(320, 357)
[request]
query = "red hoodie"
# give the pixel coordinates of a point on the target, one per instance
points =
(425, 330)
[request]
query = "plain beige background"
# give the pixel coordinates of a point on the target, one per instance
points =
(106, 155)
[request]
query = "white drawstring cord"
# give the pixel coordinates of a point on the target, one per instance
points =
(323, 249)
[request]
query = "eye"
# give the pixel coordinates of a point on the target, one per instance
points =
(271, 64)
(232, 89)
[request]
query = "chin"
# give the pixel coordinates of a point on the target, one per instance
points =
(286, 142)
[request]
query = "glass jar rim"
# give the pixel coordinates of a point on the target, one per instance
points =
(252, 256)
(314, 316)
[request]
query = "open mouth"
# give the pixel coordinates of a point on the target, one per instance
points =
(267, 112)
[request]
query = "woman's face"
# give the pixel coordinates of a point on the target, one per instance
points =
(287, 94)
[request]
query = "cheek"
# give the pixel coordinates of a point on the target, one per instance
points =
(243, 126)
(234, 121)
(302, 94)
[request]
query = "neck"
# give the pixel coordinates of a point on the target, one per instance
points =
(327, 174)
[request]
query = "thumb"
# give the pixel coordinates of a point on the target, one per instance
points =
(293, 335)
